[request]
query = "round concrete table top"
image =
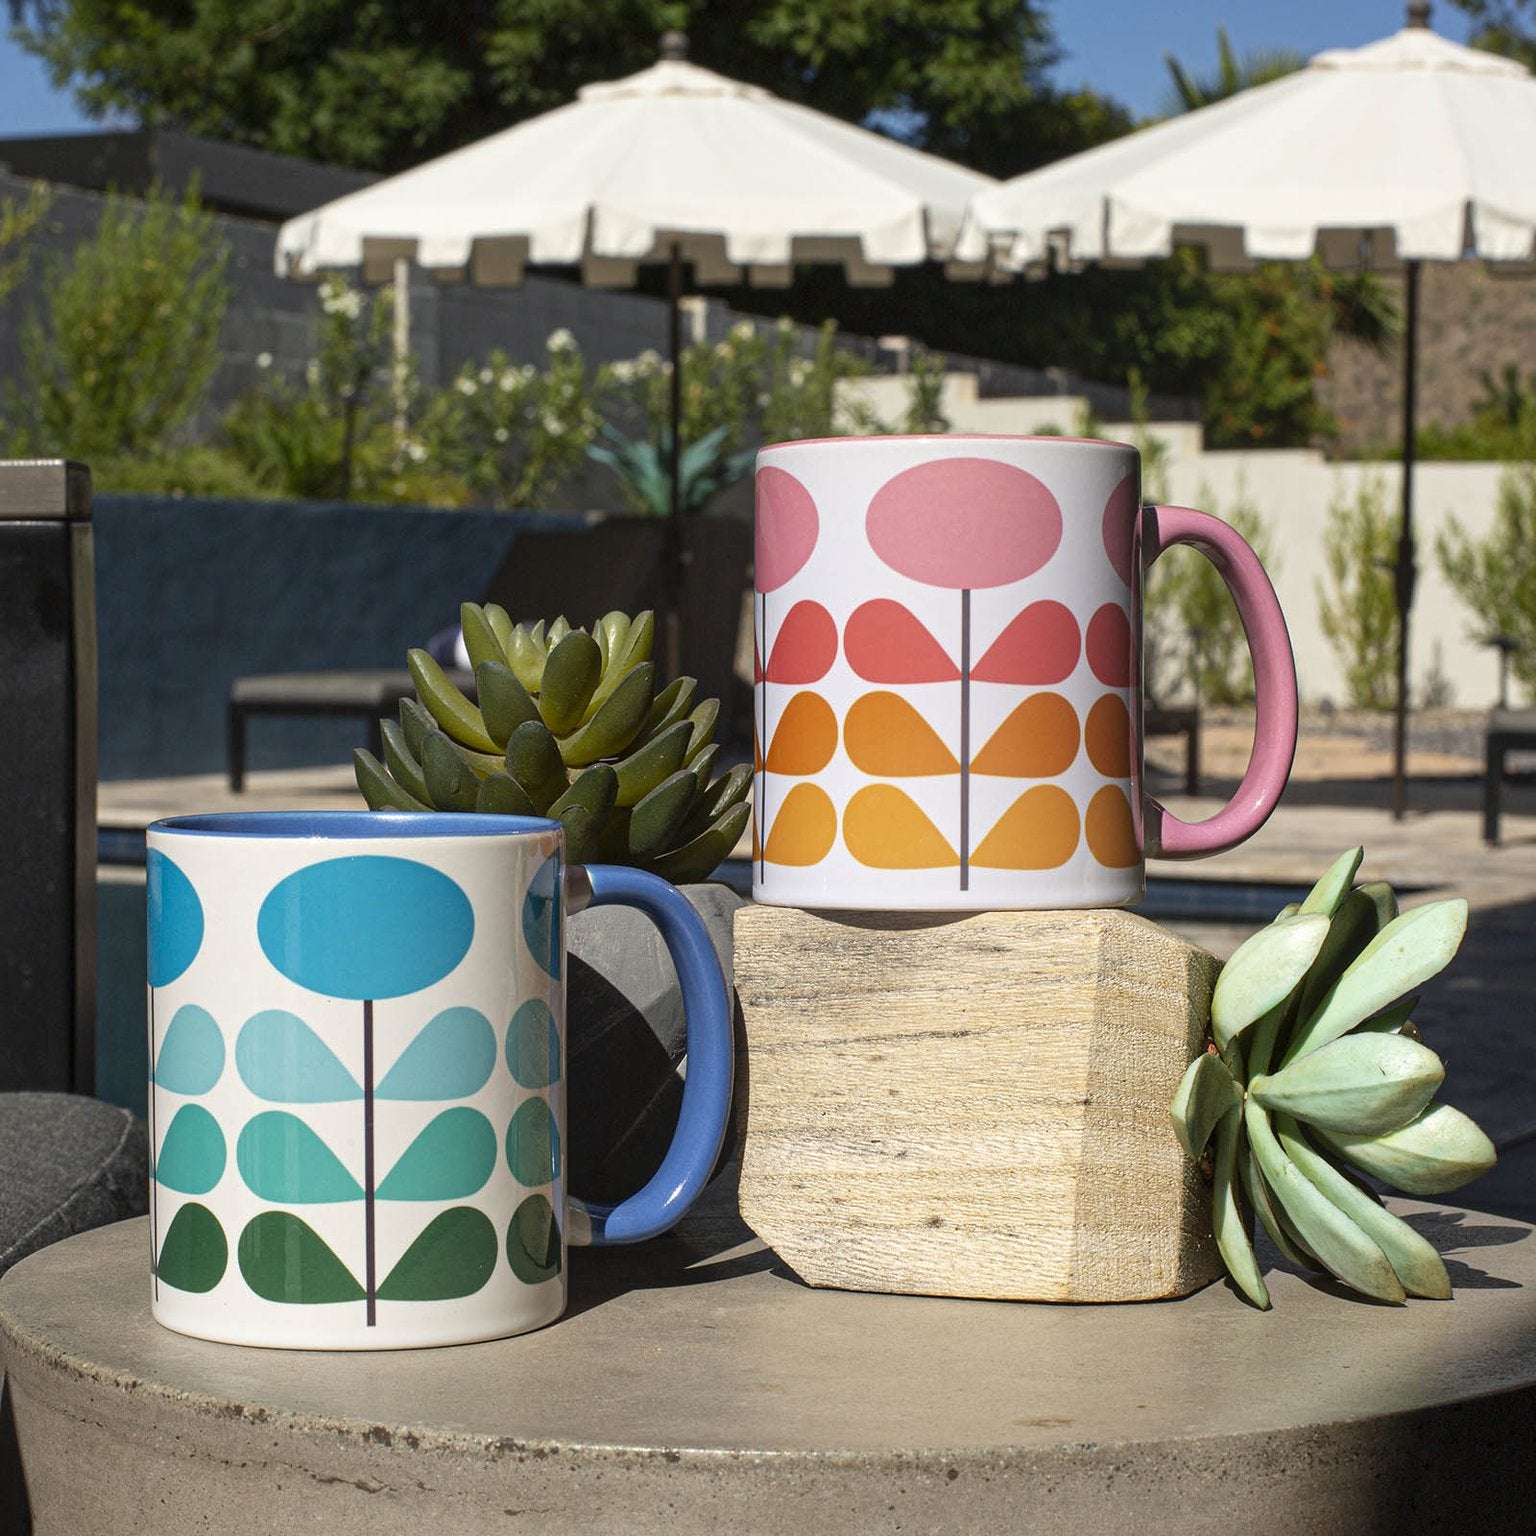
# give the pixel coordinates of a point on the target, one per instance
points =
(696, 1385)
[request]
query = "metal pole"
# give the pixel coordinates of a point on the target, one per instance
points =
(674, 541)
(1407, 570)
(402, 350)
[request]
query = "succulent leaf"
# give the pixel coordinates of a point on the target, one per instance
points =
(1272, 1216)
(701, 856)
(610, 632)
(558, 629)
(378, 789)
(1205, 1094)
(525, 655)
(447, 704)
(671, 705)
(1341, 1246)
(502, 796)
(415, 721)
(504, 702)
(401, 761)
(1405, 954)
(479, 638)
(501, 625)
(571, 673)
(1331, 890)
(639, 640)
(616, 723)
(583, 809)
(1418, 1267)
(1440, 1150)
(655, 820)
(1263, 972)
(1227, 1219)
(704, 718)
(452, 784)
(1396, 1020)
(533, 759)
(644, 769)
(1385, 899)
(1362, 1084)
(1352, 926)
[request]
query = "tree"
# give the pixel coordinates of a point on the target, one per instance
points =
(1357, 609)
(1232, 75)
(385, 84)
(118, 358)
(1503, 26)
(17, 223)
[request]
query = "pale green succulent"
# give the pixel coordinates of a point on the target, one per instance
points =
(1317, 1075)
(570, 725)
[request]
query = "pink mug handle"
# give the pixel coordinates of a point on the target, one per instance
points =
(1274, 683)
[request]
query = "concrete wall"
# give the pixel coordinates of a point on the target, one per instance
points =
(1292, 489)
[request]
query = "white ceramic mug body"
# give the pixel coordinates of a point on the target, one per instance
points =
(948, 703)
(948, 707)
(358, 1079)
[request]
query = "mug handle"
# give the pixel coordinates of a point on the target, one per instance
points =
(1274, 683)
(706, 1106)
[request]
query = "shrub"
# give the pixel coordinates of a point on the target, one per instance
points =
(1496, 576)
(1357, 608)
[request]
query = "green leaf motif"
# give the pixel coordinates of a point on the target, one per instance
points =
(193, 1154)
(533, 1241)
(191, 1057)
(195, 1252)
(450, 1160)
(533, 1145)
(451, 1058)
(285, 1260)
(533, 1045)
(281, 1159)
(454, 1256)
(280, 1058)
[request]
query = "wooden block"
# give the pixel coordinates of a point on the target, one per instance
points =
(973, 1105)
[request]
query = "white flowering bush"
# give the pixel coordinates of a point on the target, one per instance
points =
(513, 432)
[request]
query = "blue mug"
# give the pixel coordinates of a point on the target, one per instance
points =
(357, 1105)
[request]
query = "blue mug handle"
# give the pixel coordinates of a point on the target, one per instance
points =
(706, 1107)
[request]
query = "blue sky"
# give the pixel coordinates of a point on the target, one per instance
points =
(1116, 46)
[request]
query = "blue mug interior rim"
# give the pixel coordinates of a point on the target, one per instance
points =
(353, 825)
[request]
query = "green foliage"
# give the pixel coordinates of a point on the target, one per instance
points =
(384, 85)
(118, 359)
(925, 409)
(1357, 608)
(17, 222)
(704, 468)
(1233, 74)
(1502, 424)
(1503, 26)
(1193, 631)
(514, 433)
(1495, 576)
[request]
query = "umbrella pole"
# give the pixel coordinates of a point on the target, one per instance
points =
(1407, 571)
(674, 540)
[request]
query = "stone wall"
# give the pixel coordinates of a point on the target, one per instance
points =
(1471, 322)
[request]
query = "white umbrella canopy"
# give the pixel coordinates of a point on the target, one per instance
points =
(1407, 150)
(675, 160)
(669, 166)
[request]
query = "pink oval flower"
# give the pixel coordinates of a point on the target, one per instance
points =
(964, 523)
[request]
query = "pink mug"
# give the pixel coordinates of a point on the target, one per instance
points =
(949, 685)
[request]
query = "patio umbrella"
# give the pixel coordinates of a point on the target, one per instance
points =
(670, 166)
(1408, 150)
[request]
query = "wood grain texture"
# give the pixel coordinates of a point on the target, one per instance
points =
(973, 1105)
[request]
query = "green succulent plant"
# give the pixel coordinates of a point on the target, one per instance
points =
(1317, 1076)
(570, 725)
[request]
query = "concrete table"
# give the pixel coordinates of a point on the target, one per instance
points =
(696, 1386)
